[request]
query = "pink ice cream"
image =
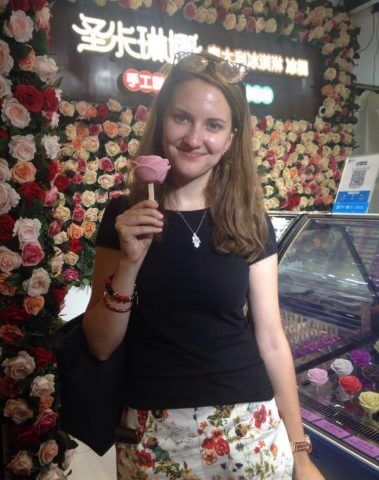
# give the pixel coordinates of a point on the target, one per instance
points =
(151, 168)
(317, 376)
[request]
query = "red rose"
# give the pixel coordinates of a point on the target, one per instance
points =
(23, 436)
(30, 97)
(6, 227)
(59, 293)
(221, 14)
(10, 334)
(95, 129)
(61, 182)
(189, 11)
(9, 387)
(42, 356)
(221, 447)
(75, 245)
(32, 191)
(250, 24)
(50, 100)
(141, 113)
(208, 444)
(102, 112)
(13, 314)
(161, 5)
(53, 170)
(45, 421)
(3, 134)
(37, 5)
(20, 5)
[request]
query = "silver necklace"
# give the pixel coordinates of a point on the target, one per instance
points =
(195, 239)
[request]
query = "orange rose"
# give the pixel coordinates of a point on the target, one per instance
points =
(23, 172)
(45, 402)
(88, 229)
(91, 112)
(33, 305)
(110, 129)
(75, 231)
(27, 64)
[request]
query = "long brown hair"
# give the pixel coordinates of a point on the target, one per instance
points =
(234, 192)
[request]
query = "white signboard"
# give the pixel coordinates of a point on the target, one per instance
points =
(357, 184)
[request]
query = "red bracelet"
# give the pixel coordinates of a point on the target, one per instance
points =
(116, 296)
(114, 309)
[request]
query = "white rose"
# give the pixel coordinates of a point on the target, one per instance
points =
(138, 128)
(62, 213)
(91, 214)
(19, 26)
(112, 148)
(51, 145)
(21, 464)
(106, 181)
(211, 15)
(5, 87)
(27, 229)
(20, 366)
(38, 283)
(6, 60)
(60, 238)
(56, 263)
(67, 109)
(92, 144)
(126, 116)
(101, 196)
(9, 198)
(90, 177)
(88, 199)
(124, 129)
(22, 147)
(120, 163)
(71, 258)
(114, 105)
(47, 452)
(42, 386)
(5, 173)
(46, 68)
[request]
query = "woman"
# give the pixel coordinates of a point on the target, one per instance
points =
(197, 256)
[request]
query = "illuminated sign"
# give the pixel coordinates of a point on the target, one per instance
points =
(143, 81)
(257, 94)
(152, 44)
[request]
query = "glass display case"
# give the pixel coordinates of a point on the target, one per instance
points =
(283, 222)
(328, 292)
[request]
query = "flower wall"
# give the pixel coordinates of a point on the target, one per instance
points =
(61, 161)
(31, 285)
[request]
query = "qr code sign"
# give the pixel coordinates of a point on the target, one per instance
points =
(357, 178)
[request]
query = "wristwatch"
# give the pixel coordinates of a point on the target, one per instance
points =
(303, 446)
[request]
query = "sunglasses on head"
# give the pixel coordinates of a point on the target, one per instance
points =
(231, 72)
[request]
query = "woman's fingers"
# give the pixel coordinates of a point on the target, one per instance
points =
(136, 231)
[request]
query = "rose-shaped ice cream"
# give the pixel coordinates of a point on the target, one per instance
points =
(369, 401)
(342, 367)
(360, 357)
(317, 376)
(350, 384)
(151, 169)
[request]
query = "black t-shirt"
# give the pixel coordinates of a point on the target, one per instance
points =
(189, 342)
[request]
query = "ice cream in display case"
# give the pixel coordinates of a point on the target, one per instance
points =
(328, 291)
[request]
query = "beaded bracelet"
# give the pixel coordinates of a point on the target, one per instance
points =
(116, 296)
(114, 309)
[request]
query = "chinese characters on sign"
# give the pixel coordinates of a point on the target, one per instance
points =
(143, 81)
(152, 44)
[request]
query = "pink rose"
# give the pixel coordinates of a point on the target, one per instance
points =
(20, 366)
(70, 274)
(6, 60)
(21, 464)
(38, 283)
(77, 198)
(15, 113)
(9, 198)
(27, 229)
(19, 27)
(78, 213)
(51, 197)
(32, 254)
(46, 420)
(42, 19)
(5, 174)
(22, 147)
(151, 168)
(17, 410)
(141, 113)
(46, 68)
(47, 452)
(9, 260)
(189, 11)
(317, 376)
(106, 164)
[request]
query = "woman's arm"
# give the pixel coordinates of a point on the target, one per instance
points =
(275, 352)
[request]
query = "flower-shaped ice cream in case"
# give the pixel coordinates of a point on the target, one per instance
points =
(151, 169)
(342, 366)
(350, 384)
(369, 401)
(360, 357)
(317, 376)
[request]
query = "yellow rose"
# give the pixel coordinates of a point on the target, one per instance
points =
(369, 401)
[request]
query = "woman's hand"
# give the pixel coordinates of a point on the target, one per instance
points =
(136, 227)
(304, 469)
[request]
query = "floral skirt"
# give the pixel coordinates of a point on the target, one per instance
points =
(246, 441)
